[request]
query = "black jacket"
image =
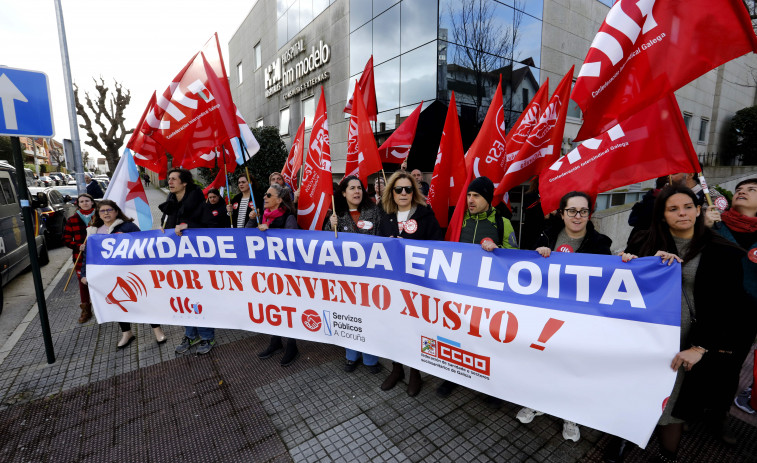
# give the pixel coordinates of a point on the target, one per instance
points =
(724, 326)
(593, 243)
(93, 188)
(189, 210)
(427, 227)
(216, 215)
(235, 208)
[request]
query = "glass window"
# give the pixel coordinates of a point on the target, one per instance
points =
(319, 6)
(687, 120)
(524, 98)
(379, 6)
(387, 120)
(308, 111)
(258, 57)
(281, 31)
(703, 130)
(534, 7)
(360, 13)
(259, 123)
(360, 49)
(55, 197)
(239, 73)
(418, 75)
(8, 197)
(293, 23)
(527, 36)
(284, 121)
(306, 13)
(388, 74)
(417, 23)
(387, 44)
(574, 110)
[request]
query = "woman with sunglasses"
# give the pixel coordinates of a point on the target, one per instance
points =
(110, 219)
(714, 307)
(278, 212)
(74, 234)
(406, 216)
(355, 213)
(572, 232)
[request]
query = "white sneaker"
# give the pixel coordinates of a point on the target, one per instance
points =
(570, 431)
(527, 415)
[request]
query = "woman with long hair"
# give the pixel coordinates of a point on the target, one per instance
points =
(74, 235)
(110, 219)
(216, 215)
(241, 206)
(406, 215)
(573, 232)
(278, 212)
(712, 333)
(355, 213)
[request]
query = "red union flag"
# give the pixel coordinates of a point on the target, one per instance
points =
(147, 152)
(316, 189)
(645, 49)
(294, 161)
(368, 91)
(449, 170)
(362, 154)
(195, 113)
(486, 156)
(542, 147)
(651, 143)
(396, 148)
(526, 122)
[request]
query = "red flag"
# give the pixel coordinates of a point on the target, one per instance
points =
(368, 90)
(486, 156)
(651, 143)
(294, 161)
(362, 154)
(542, 147)
(396, 148)
(195, 113)
(449, 170)
(316, 189)
(525, 123)
(645, 49)
(147, 152)
(456, 222)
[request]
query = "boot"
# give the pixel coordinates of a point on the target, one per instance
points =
(86, 312)
(126, 338)
(160, 337)
(291, 353)
(273, 347)
(397, 374)
(414, 384)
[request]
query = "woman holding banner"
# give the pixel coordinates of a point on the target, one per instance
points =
(74, 234)
(278, 212)
(572, 232)
(355, 213)
(110, 219)
(712, 333)
(216, 215)
(406, 215)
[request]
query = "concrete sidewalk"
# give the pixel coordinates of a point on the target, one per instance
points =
(145, 403)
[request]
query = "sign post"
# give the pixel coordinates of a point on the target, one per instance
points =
(26, 111)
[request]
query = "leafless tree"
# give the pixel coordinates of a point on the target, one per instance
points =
(487, 44)
(108, 133)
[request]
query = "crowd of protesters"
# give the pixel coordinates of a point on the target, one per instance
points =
(717, 253)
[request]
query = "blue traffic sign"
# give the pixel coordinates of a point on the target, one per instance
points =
(25, 108)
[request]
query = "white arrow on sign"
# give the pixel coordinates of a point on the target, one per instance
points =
(8, 93)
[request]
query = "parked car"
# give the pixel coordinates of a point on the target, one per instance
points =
(14, 252)
(71, 182)
(55, 209)
(45, 181)
(70, 192)
(58, 177)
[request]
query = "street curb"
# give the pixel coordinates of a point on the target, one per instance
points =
(33, 311)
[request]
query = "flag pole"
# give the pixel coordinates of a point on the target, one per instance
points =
(333, 205)
(384, 175)
(226, 173)
(247, 171)
(76, 262)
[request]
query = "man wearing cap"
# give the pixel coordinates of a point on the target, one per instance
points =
(484, 225)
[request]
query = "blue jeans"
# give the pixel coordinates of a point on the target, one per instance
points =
(368, 359)
(204, 333)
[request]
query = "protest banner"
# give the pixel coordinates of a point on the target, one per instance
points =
(583, 337)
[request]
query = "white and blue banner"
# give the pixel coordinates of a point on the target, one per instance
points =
(583, 337)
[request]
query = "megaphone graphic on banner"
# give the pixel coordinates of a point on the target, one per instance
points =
(126, 290)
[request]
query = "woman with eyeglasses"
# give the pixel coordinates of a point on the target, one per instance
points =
(278, 212)
(714, 308)
(571, 232)
(355, 213)
(406, 215)
(74, 234)
(110, 219)
(241, 206)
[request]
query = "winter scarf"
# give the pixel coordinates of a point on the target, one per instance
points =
(738, 222)
(269, 216)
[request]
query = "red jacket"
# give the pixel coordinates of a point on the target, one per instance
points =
(74, 234)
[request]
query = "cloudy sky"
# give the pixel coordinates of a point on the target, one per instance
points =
(142, 44)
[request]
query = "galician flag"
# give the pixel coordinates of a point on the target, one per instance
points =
(127, 191)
